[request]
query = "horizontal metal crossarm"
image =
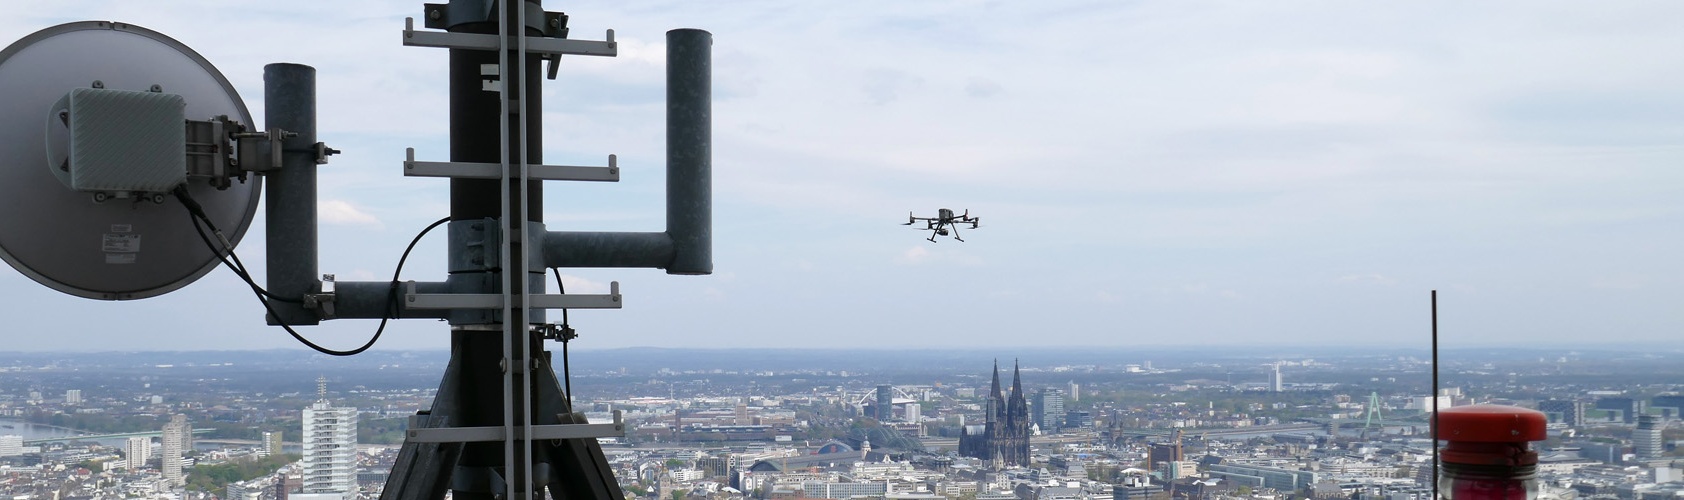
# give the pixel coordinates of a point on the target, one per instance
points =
(465, 170)
(414, 300)
(539, 432)
(534, 44)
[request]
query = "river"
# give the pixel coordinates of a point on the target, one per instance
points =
(29, 431)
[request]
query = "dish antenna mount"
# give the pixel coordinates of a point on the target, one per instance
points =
(100, 121)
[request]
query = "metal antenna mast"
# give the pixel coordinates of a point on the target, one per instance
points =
(500, 425)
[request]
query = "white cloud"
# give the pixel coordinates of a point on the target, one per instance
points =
(914, 255)
(1155, 143)
(578, 285)
(343, 213)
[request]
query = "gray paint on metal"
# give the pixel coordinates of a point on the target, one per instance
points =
(117, 250)
(290, 104)
(690, 150)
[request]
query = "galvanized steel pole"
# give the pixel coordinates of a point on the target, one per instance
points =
(690, 150)
(289, 93)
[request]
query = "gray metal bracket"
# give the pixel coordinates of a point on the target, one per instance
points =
(220, 149)
(322, 302)
(467, 170)
(489, 433)
(442, 16)
(495, 301)
(480, 41)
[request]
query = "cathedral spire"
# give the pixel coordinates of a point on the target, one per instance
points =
(995, 389)
(1017, 380)
(996, 400)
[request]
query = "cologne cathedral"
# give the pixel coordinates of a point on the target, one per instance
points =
(1004, 439)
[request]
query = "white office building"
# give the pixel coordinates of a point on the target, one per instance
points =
(176, 441)
(11, 445)
(137, 449)
(1646, 439)
(330, 450)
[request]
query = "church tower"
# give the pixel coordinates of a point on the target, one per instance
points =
(1004, 438)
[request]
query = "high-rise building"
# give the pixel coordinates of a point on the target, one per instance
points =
(73, 397)
(271, 444)
(1075, 392)
(1646, 438)
(1670, 405)
(1078, 419)
(1275, 379)
(913, 411)
(1157, 453)
(137, 450)
(330, 448)
(1629, 408)
(1564, 411)
(11, 445)
(1049, 410)
(174, 445)
(721, 465)
(885, 403)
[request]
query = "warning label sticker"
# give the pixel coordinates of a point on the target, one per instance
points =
(121, 243)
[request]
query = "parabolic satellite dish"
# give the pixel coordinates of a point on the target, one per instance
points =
(96, 244)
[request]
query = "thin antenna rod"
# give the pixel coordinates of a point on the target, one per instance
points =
(1435, 394)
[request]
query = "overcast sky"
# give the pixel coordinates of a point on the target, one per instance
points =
(1158, 173)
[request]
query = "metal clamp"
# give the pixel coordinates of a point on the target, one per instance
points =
(562, 332)
(261, 151)
(322, 152)
(221, 150)
(442, 16)
(322, 302)
(210, 150)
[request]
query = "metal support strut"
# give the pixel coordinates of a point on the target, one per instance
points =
(501, 425)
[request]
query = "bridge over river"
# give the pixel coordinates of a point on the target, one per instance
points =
(98, 437)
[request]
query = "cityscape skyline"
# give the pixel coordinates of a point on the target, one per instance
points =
(1352, 425)
(1148, 174)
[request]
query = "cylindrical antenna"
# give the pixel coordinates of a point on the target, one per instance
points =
(289, 104)
(1435, 394)
(689, 150)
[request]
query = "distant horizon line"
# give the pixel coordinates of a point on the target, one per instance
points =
(1615, 347)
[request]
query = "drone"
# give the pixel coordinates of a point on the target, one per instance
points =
(943, 223)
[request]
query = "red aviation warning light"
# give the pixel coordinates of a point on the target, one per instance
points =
(1487, 452)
